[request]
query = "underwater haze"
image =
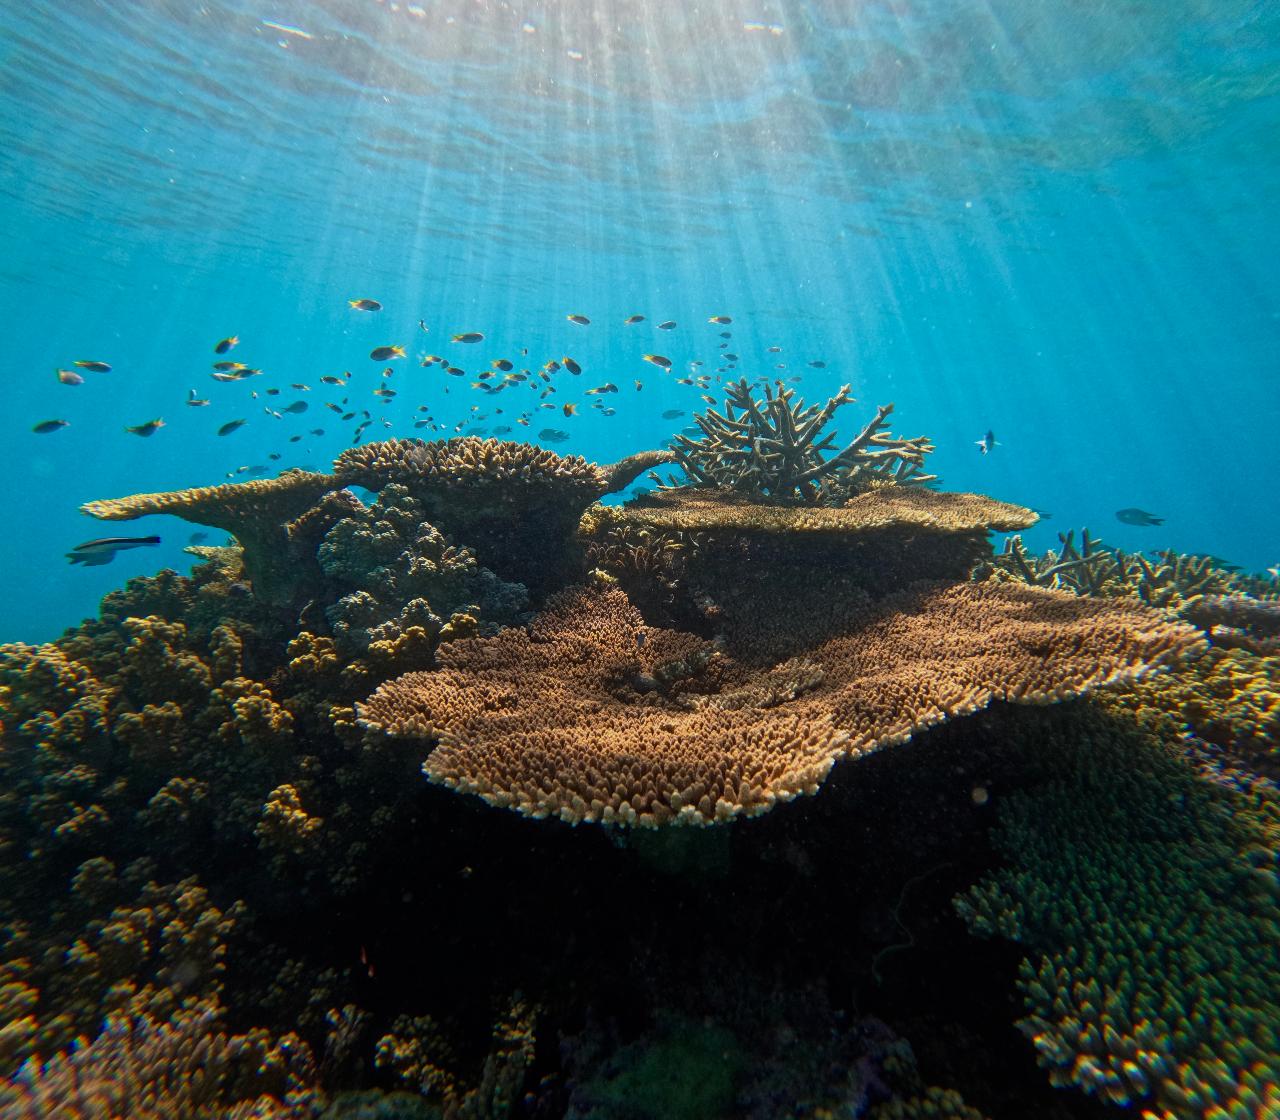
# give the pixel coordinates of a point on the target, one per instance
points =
(1057, 223)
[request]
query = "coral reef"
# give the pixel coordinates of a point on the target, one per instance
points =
(1151, 922)
(257, 513)
(413, 587)
(774, 448)
(592, 716)
(147, 1069)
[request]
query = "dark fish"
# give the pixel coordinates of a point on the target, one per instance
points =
(295, 439)
(818, 365)
(469, 336)
(658, 360)
(569, 408)
(775, 349)
(296, 407)
(364, 305)
(669, 325)
(226, 377)
(69, 377)
(502, 429)
(226, 367)
(386, 353)
(422, 325)
(94, 367)
(726, 334)
(317, 431)
(553, 435)
(731, 357)
(673, 413)
(103, 550)
(455, 371)
(300, 386)
(632, 319)
(47, 426)
(274, 456)
(329, 379)
(723, 320)
(987, 443)
(581, 320)
(1134, 516)
(148, 429)
(226, 344)
(639, 385)
(571, 366)
(198, 537)
(502, 364)
(230, 426)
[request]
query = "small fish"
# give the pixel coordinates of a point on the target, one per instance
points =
(386, 353)
(469, 336)
(815, 365)
(422, 325)
(571, 366)
(731, 357)
(502, 430)
(432, 359)
(632, 319)
(148, 429)
(329, 379)
(69, 377)
(722, 320)
(569, 408)
(455, 371)
(553, 435)
(669, 325)
(47, 426)
(226, 377)
(726, 334)
(193, 401)
(227, 344)
(608, 412)
(639, 385)
(657, 360)
(385, 394)
(226, 366)
(272, 412)
(274, 456)
(103, 550)
(93, 367)
(302, 388)
(296, 407)
(551, 366)
(317, 431)
(1135, 516)
(230, 426)
(581, 320)
(709, 400)
(501, 364)
(364, 305)
(673, 413)
(295, 439)
(987, 443)
(775, 349)
(198, 537)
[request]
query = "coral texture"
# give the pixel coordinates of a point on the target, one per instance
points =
(774, 448)
(591, 716)
(1151, 912)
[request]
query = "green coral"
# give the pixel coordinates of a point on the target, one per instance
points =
(1151, 925)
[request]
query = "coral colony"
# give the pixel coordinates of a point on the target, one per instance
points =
(308, 734)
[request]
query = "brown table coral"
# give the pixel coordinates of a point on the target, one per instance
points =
(515, 504)
(590, 715)
(258, 513)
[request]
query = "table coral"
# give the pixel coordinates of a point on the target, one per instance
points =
(256, 513)
(572, 718)
(1152, 972)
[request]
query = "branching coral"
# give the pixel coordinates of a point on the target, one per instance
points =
(148, 1069)
(775, 448)
(1152, 931)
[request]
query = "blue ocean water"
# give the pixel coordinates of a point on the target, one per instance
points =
(1056, 222)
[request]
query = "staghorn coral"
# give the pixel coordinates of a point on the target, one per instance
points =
(514, 504)
(409, 578)
(144, 1068)
(256, 513)
(1149, 921)
(771, 448)
(573, 717)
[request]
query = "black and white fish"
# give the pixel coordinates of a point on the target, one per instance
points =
(987, 443)
(103, 550)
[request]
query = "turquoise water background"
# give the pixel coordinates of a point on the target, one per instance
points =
(1057, 221)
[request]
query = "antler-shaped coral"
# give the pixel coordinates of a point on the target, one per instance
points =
(772, 448)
